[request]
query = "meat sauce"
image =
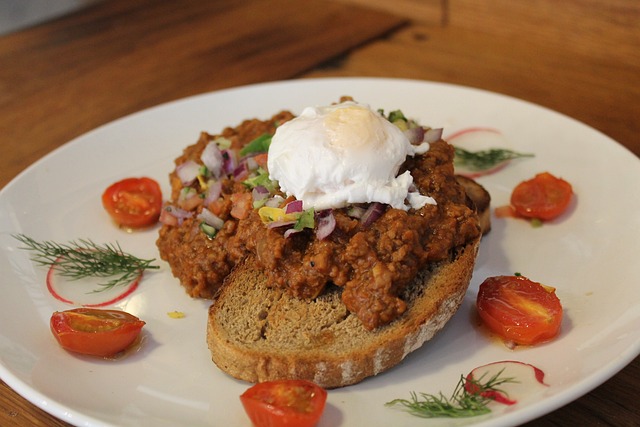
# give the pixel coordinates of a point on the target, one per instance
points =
(372, 264)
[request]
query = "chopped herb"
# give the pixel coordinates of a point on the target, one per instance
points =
(258, 145)
(462, 403)
(306, 220)
(84, 258)
(261, 178)
(484, 159)
(208, 230)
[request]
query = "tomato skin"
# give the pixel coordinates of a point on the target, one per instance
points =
(133, 202)
(521, 311)
(95, 332)
(284, 403)
(543, 197)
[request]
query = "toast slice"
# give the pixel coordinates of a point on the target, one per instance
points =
(256, 333)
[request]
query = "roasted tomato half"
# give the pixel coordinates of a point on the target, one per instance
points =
(521, 311)
(284, 403)
(543, 197)
(133, 202)
(95, 332)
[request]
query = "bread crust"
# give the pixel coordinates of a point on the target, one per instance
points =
(256, 333)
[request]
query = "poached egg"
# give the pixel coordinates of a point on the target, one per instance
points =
(333, 156)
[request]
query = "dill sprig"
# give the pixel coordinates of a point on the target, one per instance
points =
(84, 258)
(484, 159)
(462, 403)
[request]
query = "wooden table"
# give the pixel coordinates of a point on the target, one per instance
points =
(65, 77)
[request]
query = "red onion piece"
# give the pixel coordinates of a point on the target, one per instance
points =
(373, 212)
(214, 190)
(229, 161)
(293, 207)
(415, 135)
(326, 223)
(212, 158)
(432, 135)
(274, 202)
(188, 172)
(241, 171)
(259, 193)
(211, 219)
(276, 224)
(178, 213)
(290, 231)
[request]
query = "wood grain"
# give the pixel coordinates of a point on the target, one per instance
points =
(579, 57)
(67, 77)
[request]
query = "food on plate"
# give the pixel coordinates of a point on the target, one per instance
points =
(133, 202)
(527, 381)
(519, 310)
(474, 393)
(481, 151)
(95, 332)
(543, 197)
(352, 219)
(284, 403)
(83, 258)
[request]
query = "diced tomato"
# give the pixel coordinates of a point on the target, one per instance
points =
(261, 159)
(520, 310)
(543, 197)
(284, 403)
(95, 332)
(133, 202)
(242, 205)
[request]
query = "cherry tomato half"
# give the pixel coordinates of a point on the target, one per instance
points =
(133, 202)
(519, 310)
(543, 197)
(284, 403)
(95, 332)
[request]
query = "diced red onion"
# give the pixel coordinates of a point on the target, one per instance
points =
(276, 224)
(241, 171)
(290, 232)
(373, 212)
(356, 211)
(214, 190)
(212, 158)
(293, 207)
(251, 163)
(326, 223)
(211, 219)
(178, 213)
(432, 135)
(274, 202)
(230, 161)
(415, 135)
(188, 172)
(259, 193)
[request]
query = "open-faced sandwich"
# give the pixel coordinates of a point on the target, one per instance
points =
(333, 243)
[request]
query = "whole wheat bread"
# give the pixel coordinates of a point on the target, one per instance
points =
(256, 333)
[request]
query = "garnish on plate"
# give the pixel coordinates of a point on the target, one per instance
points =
(481, 151)
(470, 398)
(484, 160)
(505, 382)
(84, 258)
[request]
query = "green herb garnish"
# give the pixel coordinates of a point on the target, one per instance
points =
(484, 159)
(259, 145)
(84, 258)
(462, 403)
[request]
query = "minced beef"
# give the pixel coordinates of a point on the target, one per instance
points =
(372, 264)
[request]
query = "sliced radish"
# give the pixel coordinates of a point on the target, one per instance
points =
(87, 292)
(527, 381)
(478, 139)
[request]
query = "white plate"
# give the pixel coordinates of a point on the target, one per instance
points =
(590, 256)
